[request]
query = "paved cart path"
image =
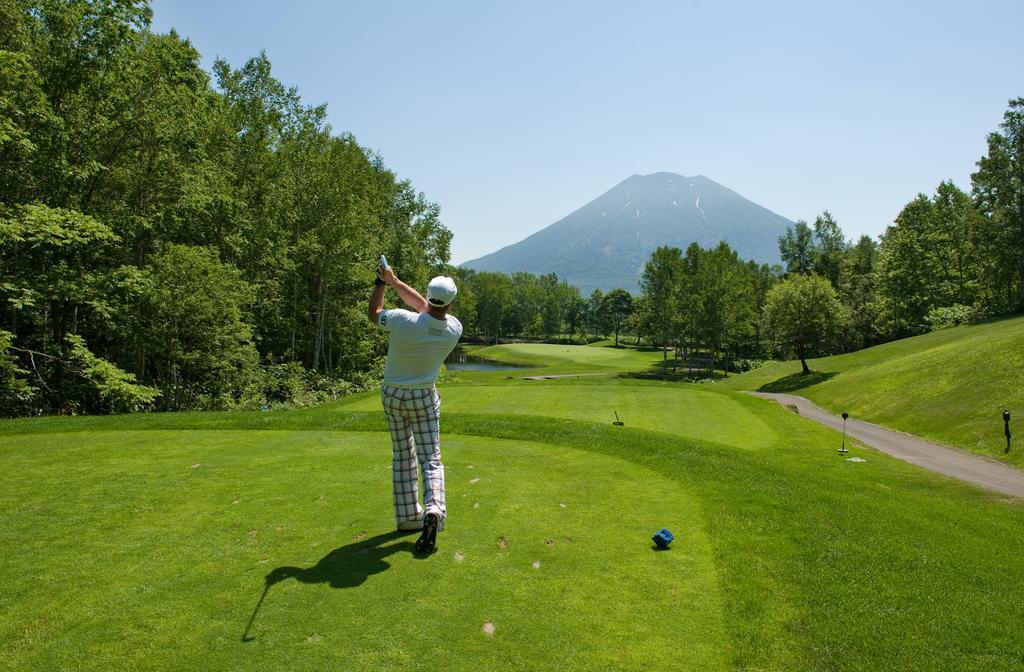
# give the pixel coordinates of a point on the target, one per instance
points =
(967, 467)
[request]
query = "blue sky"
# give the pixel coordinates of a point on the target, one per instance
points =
(512, 115)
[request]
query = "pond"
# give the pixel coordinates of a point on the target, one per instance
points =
(459, 360)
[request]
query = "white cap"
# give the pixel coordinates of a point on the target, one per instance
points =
(441, 291)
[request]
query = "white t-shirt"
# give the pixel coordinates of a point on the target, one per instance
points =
(418, 346)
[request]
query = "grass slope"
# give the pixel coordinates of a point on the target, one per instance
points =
(789, 557)
(950, 386)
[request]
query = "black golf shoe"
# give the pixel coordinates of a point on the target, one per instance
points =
(428, 539)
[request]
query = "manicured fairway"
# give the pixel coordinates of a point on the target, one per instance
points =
(146, 541)
(684, 411)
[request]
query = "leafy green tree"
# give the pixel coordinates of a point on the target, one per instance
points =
(724, 302)
(640, 318)
(858, 292)
(803, 314)
(494, 299)
(797, 248)
(952, 246)
(905, 279)
(551, 308)
(201, 347)
(116, 150)
(762, 278)
(617, 306)
(109, 389)
(597, 320)
(16, 392)
(998, 188)
(51, 276)
(829, 249)
(575, 314)
(930, 258)
(659, 282)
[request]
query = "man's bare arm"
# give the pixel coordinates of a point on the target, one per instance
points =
(376, 304)
(412, 298)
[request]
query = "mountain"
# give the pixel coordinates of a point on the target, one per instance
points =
(606, 243)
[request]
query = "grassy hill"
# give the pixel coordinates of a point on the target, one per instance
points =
(237, 541)
(950, 386)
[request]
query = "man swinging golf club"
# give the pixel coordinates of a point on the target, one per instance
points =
(419, 342)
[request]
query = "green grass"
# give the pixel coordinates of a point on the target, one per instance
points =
(683, 411)
(173, 532)
(950, 386)
(541, 359)
(145, 541)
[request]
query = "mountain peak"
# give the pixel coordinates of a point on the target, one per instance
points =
(606, 243)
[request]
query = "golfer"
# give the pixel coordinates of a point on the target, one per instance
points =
(419, 342)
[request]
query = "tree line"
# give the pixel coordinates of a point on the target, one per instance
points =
(949, 258)
(521, 305)
(172, 242)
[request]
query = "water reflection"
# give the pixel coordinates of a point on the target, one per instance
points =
(459, 360)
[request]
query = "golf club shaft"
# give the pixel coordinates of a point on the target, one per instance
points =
(252, 619)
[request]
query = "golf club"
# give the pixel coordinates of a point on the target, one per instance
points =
(618, 422)
(246, 637)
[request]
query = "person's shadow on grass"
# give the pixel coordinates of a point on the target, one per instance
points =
(344, 567)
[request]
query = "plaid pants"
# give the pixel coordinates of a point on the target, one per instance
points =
(414, 419)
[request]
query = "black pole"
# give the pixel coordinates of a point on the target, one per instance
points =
(1006, 428)
(842, 448)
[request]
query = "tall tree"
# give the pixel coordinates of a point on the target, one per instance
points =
(905, 278)
(659, 282)
(797, 248)
(724, 300)
(617, 305)
(829, 248)
(858, 291)
(998, 187)
(803, 314)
